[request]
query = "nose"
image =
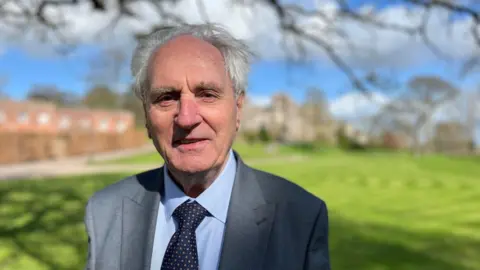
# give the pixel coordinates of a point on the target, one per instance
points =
(187, 116)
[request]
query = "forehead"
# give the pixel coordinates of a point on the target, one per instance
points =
(186, 57)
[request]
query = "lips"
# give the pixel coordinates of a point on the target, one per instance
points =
(187, 141)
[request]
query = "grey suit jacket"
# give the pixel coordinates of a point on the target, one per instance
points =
(271, 224)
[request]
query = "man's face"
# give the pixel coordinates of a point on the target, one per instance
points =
(192, 113)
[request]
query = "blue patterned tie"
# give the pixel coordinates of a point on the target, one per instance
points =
(181, 252)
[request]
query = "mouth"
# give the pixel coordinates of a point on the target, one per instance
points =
(186, 142)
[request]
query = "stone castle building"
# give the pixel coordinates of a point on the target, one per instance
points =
(289, 121)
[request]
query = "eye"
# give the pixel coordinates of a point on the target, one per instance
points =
(165, 99)
(208, 95)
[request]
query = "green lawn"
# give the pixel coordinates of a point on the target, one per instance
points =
(247, 151)
(386, 212)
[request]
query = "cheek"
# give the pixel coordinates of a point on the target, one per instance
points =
(160, 124)
(221, 121)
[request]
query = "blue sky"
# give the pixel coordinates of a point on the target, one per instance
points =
(26, 64)
(267, 76)
(24, 69)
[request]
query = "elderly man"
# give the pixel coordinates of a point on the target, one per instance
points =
(204, 209)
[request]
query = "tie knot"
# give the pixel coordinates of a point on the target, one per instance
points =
(190, 214)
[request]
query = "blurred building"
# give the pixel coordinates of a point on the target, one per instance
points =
(27, 117)
(287, 120)
(39, 131)
(46, 118)
(453, 138)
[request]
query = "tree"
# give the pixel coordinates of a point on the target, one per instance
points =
(299, 25)
(109, 68)
(50, 93)
(413, 110)
(101, 97)
(345, 140)
(264, 135)
(131, 103)
(250, 136)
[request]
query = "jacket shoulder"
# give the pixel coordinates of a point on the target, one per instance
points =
(127, 186)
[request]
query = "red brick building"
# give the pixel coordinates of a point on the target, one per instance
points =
(46, 118)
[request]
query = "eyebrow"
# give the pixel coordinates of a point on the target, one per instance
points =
(168, 89)
(208, 85)
(162, 90)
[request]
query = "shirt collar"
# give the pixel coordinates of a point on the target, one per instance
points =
(215, 198)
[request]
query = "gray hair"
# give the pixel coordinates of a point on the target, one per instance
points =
(235, 53)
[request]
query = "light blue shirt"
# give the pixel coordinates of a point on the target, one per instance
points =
(215, 199)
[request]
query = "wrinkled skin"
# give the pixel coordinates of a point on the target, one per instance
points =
(191, 96)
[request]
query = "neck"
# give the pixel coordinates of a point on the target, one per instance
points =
(193, 184)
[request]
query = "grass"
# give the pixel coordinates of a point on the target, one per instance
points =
(386, 211)
(247, 151)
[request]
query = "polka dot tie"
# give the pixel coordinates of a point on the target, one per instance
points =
(181, 252)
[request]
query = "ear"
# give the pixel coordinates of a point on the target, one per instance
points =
(239, 103)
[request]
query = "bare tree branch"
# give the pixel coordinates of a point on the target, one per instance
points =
(454, 8)
(414, 109)
(19, 16)
(422, 30)
(333, 55)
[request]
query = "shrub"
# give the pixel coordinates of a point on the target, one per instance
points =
(347, 143)
(263, 135)
(342, 139)
(250, 137)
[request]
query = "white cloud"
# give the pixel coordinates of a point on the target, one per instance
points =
(458, 109)
(388, 48)
(356, 105)
(356, 109)
(259, 27)
(260, 100)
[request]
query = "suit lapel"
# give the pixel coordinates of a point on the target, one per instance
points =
(139, 214)
(248, 223)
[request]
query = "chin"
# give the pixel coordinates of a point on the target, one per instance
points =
(192, 165)
(193, 162)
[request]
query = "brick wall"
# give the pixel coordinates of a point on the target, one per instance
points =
(24, 147)
(32, 130)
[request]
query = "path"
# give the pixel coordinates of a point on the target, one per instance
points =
(81, 165)
(63, 166)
